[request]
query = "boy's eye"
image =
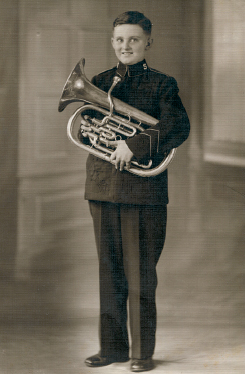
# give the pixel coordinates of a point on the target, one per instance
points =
(132, 40)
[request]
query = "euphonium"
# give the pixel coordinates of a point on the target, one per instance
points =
(99, 136)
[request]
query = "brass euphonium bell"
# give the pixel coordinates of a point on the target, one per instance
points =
(99, 136)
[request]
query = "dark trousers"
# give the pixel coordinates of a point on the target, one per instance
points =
(129, 240)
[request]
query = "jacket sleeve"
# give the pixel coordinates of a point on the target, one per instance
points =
(172, 129)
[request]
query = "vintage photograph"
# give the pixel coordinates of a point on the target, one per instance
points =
(122, 131)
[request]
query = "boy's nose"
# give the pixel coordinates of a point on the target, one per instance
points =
(126, 44)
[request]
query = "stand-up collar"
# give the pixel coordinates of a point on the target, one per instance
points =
(132, 70)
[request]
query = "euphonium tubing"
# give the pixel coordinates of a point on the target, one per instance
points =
(102, 135)
(102, 147)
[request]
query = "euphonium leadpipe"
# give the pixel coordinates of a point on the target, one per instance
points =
(99, 136)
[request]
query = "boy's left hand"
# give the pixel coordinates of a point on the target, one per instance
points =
(122, 155)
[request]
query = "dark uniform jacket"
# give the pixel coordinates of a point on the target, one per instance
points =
(157, 95)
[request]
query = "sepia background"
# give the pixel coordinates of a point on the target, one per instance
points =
(48, 264)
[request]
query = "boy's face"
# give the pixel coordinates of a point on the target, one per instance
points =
(130, 43)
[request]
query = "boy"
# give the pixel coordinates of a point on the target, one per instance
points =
(130, 212)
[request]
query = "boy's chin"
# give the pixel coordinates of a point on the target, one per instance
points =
(128, 60)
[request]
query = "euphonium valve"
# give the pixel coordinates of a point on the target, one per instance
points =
(99, 127)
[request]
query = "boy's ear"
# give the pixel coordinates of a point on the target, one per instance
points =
(149, 43)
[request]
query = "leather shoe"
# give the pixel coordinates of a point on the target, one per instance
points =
(138, 365)
(97, 360)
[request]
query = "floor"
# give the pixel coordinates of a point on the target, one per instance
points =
(61, 349)
(49, 324)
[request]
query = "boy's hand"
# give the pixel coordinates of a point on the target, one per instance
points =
(122, 155)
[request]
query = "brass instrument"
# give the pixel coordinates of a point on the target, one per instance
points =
(99, 137)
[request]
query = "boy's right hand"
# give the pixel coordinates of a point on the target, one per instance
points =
(122, 156)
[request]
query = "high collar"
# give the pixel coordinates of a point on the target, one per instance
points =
(132, 70)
